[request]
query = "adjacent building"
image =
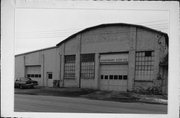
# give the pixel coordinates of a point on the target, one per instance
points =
(120, 57)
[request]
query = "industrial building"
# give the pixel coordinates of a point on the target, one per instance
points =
(119, 57)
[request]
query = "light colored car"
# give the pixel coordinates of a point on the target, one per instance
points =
(25, 82)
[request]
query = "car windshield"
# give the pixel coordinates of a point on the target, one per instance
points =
(25, 79)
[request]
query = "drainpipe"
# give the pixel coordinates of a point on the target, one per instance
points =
(80, 60)
(24, 64)
(43, 69)
(59, 66)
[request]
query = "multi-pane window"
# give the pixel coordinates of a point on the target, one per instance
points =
(69, 67)
(34, 75)
(114, 77)
(106, 77)
(144, 65)
(50, 75)
(87, 66)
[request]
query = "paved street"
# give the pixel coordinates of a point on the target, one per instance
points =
(38, 103)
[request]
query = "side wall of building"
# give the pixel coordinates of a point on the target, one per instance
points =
(50, 67)
(19, 67)
(39, 65)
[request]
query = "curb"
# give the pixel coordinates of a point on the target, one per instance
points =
(153, 100)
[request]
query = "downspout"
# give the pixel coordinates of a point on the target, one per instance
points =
(135, 48)
(60, 59)
(24, 64)
(43, 69)
(80, 60)
(63, 59)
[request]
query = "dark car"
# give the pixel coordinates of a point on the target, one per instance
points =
(25, 82)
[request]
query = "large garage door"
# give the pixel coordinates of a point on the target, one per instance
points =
(34, 72)
(114, 77)
(114, 72)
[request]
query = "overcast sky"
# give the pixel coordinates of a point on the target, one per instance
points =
(42, 28)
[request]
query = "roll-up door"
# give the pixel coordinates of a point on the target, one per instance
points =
(114, 72)
(34, 72)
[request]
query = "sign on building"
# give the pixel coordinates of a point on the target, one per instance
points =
(114, 58)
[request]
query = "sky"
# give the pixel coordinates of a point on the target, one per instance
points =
(42, 28)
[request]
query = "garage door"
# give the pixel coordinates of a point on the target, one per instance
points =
(114, 77)
(34, 72)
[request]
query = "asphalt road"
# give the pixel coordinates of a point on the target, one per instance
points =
(38, 103)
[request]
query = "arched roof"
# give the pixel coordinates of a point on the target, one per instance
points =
(112, 24)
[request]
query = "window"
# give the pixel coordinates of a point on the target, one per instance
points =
(69, 67)
(148, 53)
(39, 75)
(110, 76)
(125, 77)
(102, 76)
(115, 77)
(36, 75)
(120, 76)
(144, 65)
(106, 77)
(49, 74)
(87, 66)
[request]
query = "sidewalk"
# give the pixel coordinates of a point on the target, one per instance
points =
(95, 94)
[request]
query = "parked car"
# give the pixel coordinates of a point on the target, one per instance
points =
(25, 82)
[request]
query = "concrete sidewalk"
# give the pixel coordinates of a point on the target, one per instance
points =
(95, 94)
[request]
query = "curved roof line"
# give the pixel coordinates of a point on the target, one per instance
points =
(109, 24)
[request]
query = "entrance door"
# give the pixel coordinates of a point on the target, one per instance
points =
(113, 77)
(49, 79)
